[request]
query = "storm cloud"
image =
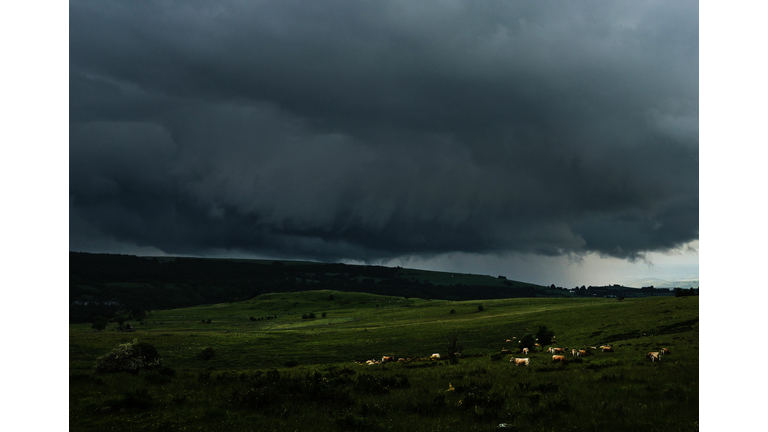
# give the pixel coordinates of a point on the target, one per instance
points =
(374, 130)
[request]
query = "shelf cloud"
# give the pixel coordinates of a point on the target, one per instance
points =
(374, 130)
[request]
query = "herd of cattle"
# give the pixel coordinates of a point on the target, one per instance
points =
(387, 359)
(558, 355)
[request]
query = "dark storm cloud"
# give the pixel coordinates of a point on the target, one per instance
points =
(368, 130)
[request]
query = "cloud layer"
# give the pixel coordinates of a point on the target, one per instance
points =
(359, 130)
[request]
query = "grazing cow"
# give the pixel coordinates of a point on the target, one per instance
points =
(605, 348)
(370, 362)
(554, 350)
(558, 358)
(506, 351)
(537, 344)
(582, 353)
(521, 361)
(594, 348)
(653, 356)
(525, 350)
(574, 353)
(386, 359)
(434, 356)
(664, 351)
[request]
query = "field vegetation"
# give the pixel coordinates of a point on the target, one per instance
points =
(262, 365)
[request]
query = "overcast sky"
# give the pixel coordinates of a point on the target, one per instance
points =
(551, 142)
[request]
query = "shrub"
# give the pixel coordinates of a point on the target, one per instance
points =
(324, 314)
(453, 311)
(454, 347)
(139, 399)
(545, 336)
(207, 353)
(99, 322)
(129, 357)
(528, 341)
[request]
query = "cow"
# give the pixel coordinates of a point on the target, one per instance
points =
(387, 359)
(574, 353)
(434, 356)
(554, 350)
(605, 348)
(537, 344)
(582, 353)
(558, 358)
(401, 360)
(521, 361)
(594, 348)
(664, 351)
(506, 351)
(653, 356)
(525, 350)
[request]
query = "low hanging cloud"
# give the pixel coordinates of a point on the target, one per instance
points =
(361, 131)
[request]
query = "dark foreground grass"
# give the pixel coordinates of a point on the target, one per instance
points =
(247, 385)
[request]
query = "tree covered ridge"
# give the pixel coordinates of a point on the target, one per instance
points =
(101, 284)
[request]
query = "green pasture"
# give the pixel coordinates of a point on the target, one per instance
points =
(283, 372)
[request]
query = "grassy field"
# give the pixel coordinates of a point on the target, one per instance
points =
(281, 372)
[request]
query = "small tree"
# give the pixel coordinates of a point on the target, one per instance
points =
(324, 314)
(528, 341)
(312, 315)
(480, 308)
(454, 347)
(544, 336)
(453, 311)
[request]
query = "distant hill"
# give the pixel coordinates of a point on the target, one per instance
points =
(110, 284)
(103, 284)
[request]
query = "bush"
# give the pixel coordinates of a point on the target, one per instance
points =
(99, 322)
(545, 336)
(528, 341)
(129, 357)
(207, 353)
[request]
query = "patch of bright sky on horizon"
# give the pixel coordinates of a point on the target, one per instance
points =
(568, 272)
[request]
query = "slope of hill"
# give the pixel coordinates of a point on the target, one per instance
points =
(105, 284)
(100, 284)
(270, 368)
